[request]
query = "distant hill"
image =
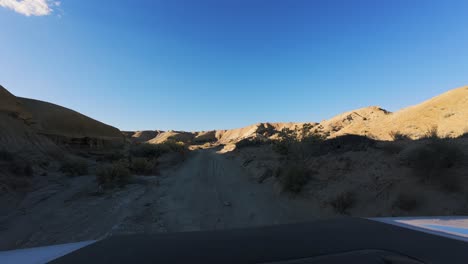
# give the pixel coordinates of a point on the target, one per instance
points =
(448, 112)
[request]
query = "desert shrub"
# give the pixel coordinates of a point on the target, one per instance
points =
(294, 178)
(142, 166)
(430, 161)
(464, 135)
(74, 167)
(250, 142)
(296, 143)
(407, 202)
(343, 202)
(314, 138)
(21, 168)
(175, 146)
(281, 147)
(397, 135)
(114, 174)
(146, 150)
(6, 155)
(431, 133)
(341, 144)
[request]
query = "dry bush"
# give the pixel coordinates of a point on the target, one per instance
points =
(15, 165)
(432, 162)
(407, 202)
(281, 147)
(343, 202)
(293, 178)
(431, 159)
(143, 166)
(111, 175)
(74, 167)
(431, 133)
(250, 142)
(447, 115)
(146, 150)
(297, 142)
(397, 135)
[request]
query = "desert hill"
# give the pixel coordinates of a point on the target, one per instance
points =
(31, 124)
(53, 119)
(448, 112)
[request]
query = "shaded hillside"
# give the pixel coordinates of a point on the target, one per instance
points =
(25, 122)
(57, 120)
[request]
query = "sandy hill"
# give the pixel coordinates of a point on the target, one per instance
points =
(57, 120)
(263, 130)
(141, 136)
(353, 122)
(15, 130)
(448, 112)
(11, 105)
(23, 122)
(172, 135)
(266, 130)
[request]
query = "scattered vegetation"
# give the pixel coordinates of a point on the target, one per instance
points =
(295, 143)
(143, 166)
(407, 202)
(250, 142)
(343, 202)
(293, 178)
(397, 135)
(115, 174)
(15, 165)
(146, 150)
(431, 133)
(447, 115)
(431, 161)
(74, 167)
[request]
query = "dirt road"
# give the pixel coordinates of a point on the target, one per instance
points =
(211, 192)
(206, 192)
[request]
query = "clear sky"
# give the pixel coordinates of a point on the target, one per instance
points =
(211, 64)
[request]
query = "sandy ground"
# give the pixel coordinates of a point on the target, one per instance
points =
(207, 192)
(213, 192)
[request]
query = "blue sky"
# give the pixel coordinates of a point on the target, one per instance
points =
(210, 64)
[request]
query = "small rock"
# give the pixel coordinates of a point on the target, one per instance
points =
(227, 204)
